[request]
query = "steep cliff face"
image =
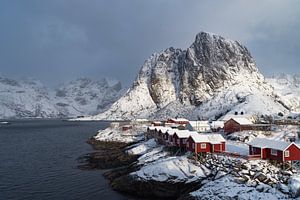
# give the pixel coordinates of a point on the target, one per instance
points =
(212, 77)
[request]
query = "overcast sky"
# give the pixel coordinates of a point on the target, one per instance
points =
(57, 40)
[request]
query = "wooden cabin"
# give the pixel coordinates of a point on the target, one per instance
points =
(180, 137)
(274, 149)
(237, 124)
(178, 121)
(204, 143)
(200, 126)
(157, 123)
(151, 132)
(169, 140)
(126, 127)
(217, 126)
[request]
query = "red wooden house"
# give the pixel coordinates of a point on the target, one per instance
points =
(237, 124)
(274, 149)
(126, 127)
(178, 121)
(169, 136)
(180, 137)
(204, 143)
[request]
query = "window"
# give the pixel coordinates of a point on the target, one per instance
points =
(203, 146)
(184, 141)
(193, 145)
(274, 152)
(287, 153)
(188, 144)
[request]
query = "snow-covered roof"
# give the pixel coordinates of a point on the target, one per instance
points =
(268, 143)
(179, 119)
(242, 121)
(152, 128)
(209, 138)
(185, 133)
(216, 138)
(172, 131)
(162, 129)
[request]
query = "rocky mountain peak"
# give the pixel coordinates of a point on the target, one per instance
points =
(201, 80)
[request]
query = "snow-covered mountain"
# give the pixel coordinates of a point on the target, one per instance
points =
(213, 77)
(288, 88)
(29, 98)
(84, 96)
(26, 98)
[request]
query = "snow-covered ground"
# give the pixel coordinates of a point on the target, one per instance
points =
(142, 147)
(288, 87)
(227, 188)
(117, 135)
(172, 169)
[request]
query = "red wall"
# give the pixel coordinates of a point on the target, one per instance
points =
(219, 147)
(207, 149)
(254, 151)
(273, 157)
(181, 142)
(177, 122)
(190, 146)
(232, 126)
(294, 153)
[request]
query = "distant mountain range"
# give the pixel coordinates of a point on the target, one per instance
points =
(30, 98)
(213, 77)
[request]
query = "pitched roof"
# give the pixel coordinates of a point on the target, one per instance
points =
(185, 133)
(242, 121)
(171, 131)
(152, 128)
(162, 129)
(179, 119)
(209, 138)
(268, 143)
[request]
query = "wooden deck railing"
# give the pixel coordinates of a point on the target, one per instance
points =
(237, 155)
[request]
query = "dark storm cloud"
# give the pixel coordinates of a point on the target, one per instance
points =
(58, 40)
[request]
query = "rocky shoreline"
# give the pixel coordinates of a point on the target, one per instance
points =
(107, 155)
(144, 169)
(112, 157)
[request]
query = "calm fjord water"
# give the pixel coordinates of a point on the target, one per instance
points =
(38, 161)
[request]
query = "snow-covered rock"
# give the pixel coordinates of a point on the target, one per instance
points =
(212, 77)
(143, 147)
(294, 185)
(172, 169)
(227, 188)
(117, 135)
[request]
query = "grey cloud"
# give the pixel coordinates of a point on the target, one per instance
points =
(57, 40)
